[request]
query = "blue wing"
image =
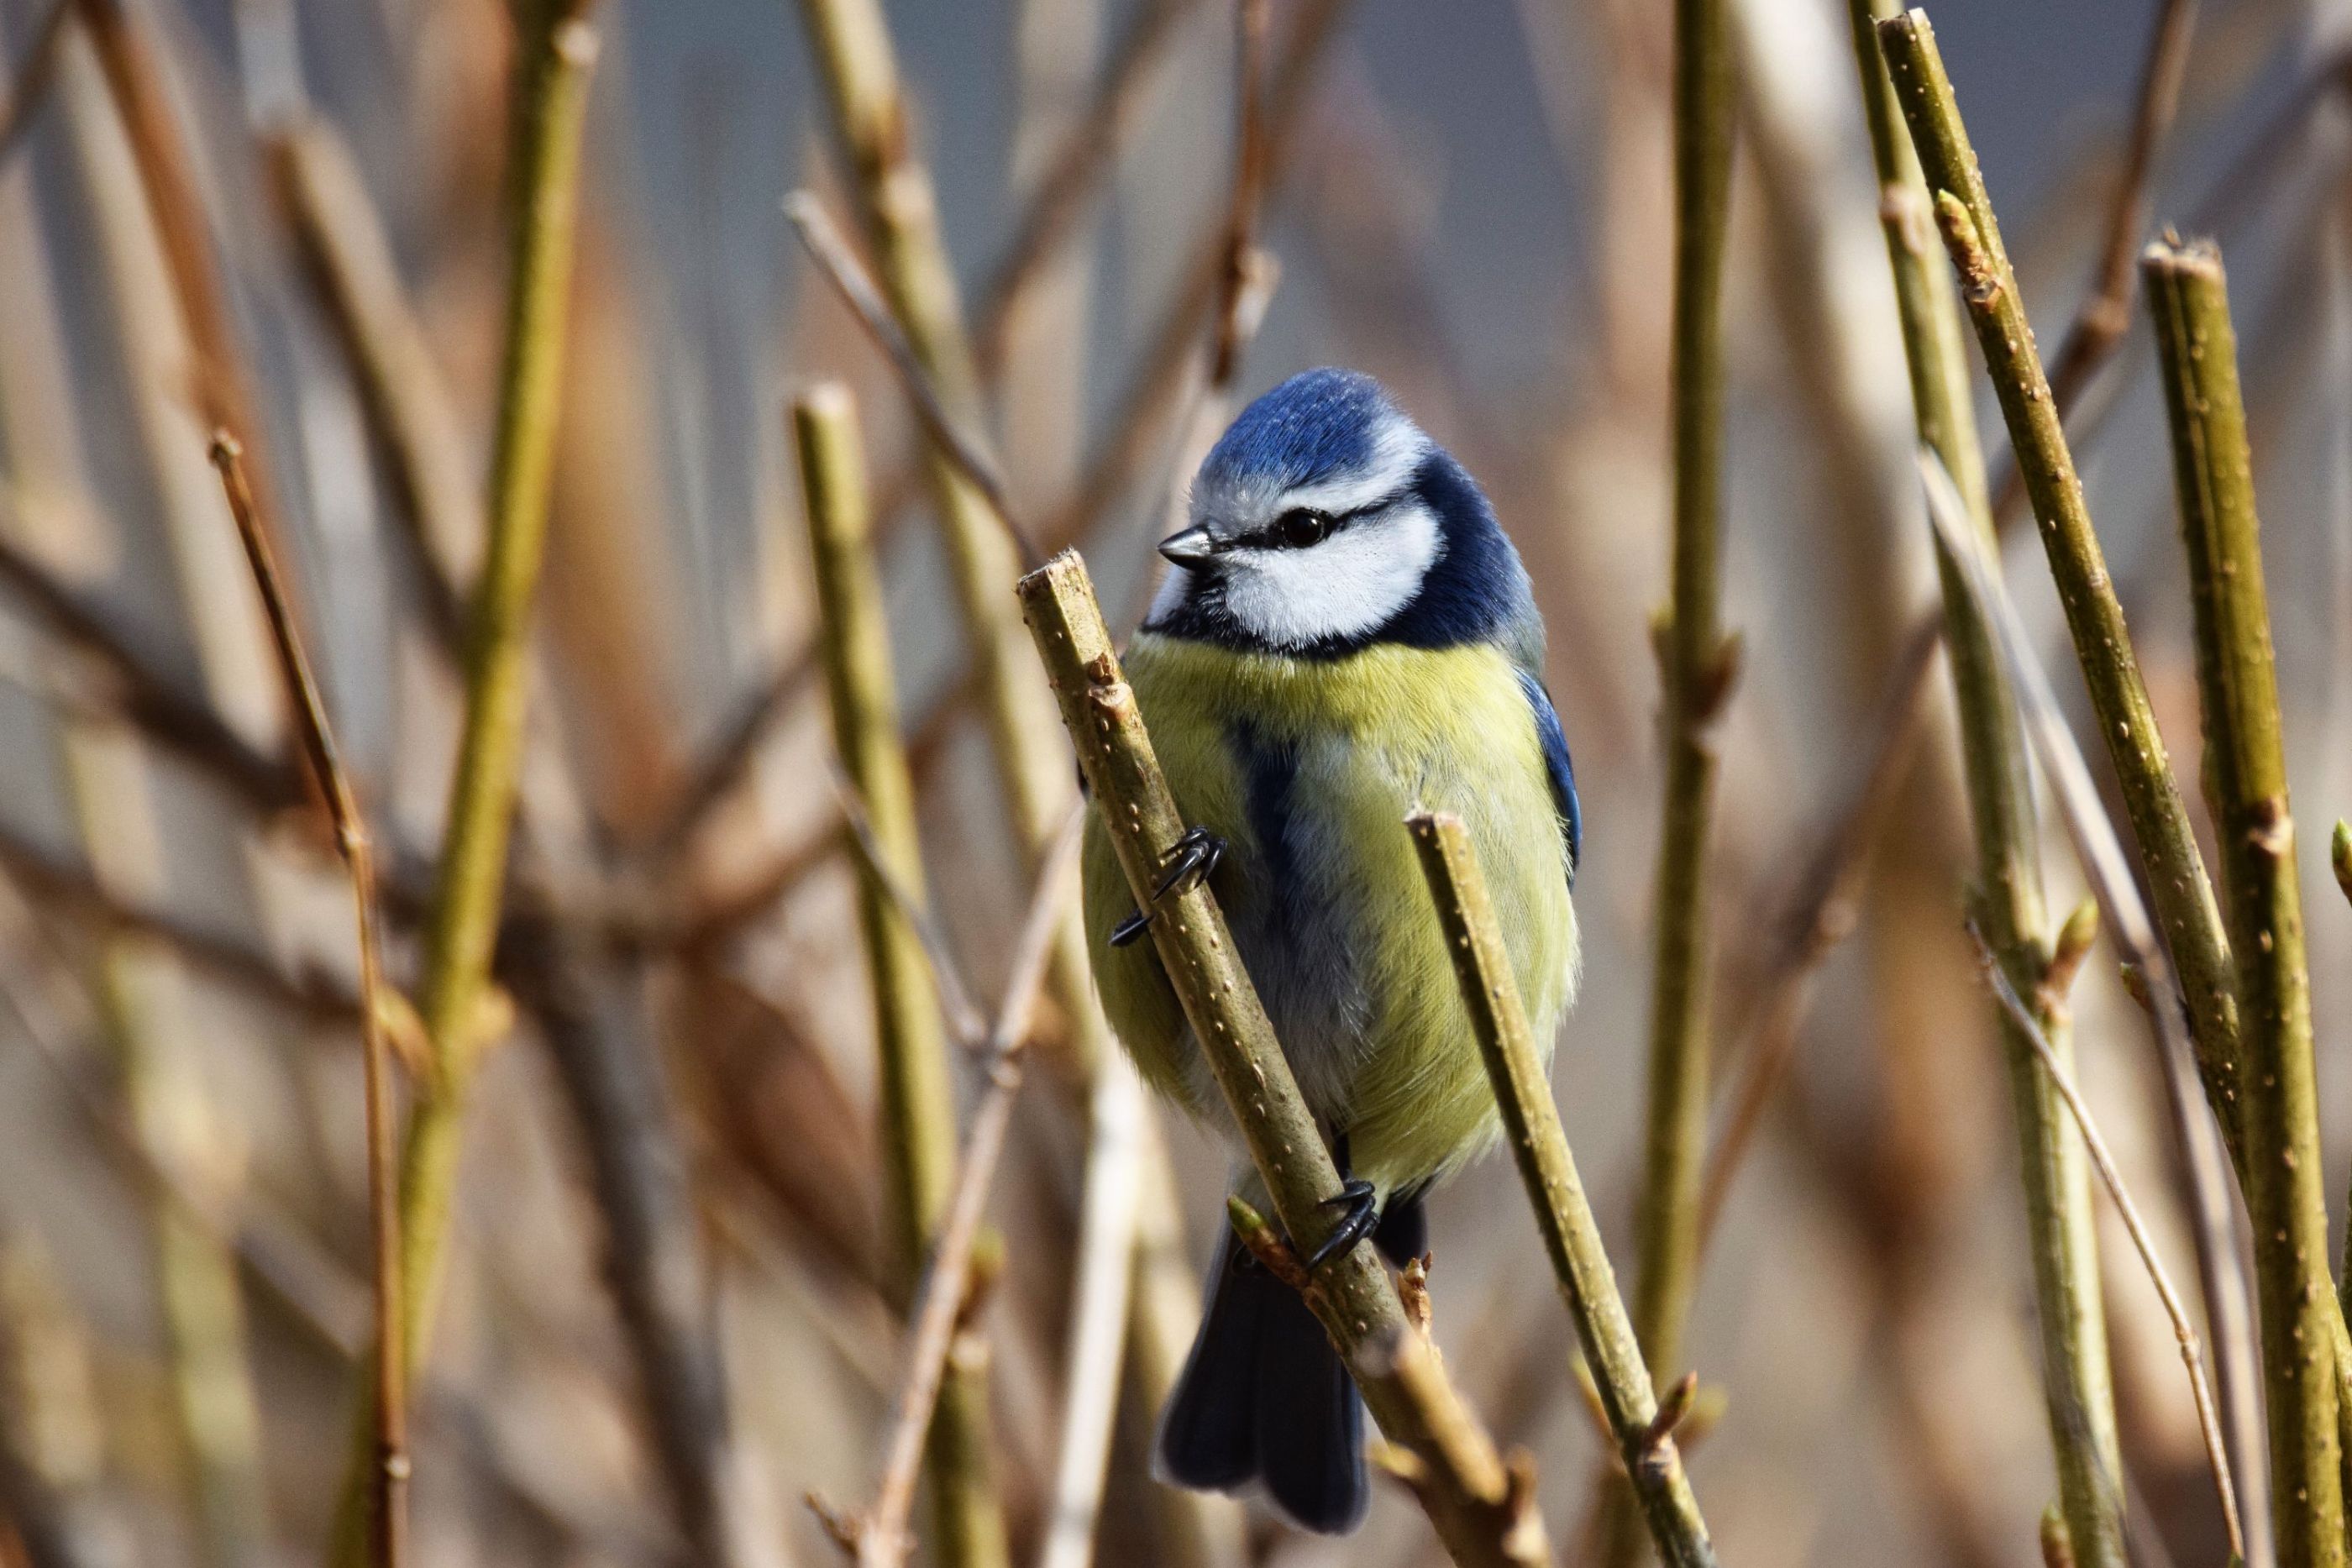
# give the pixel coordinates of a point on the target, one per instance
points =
(1557, 768)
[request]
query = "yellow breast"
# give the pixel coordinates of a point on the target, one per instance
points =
(1308, 769)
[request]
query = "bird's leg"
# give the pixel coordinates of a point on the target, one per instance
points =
(1361, 1218)
(1189, 862)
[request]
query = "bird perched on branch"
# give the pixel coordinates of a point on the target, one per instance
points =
(1346, 636)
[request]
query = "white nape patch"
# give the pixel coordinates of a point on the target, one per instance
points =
(1350, 584)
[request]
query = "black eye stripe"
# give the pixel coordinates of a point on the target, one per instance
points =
(1271, 536)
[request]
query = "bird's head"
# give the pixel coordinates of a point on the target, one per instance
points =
(1324, 521)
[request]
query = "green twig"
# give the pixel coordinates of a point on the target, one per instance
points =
(2063, 1238)
(2147, 970)
(1697, 665)
(2074, 943)
(857, 65)
(899, 214)
(553, 64)
(1483, 1510)
(919, 1129)
(2182, 896)
(2245, 780)
(1570, 1235)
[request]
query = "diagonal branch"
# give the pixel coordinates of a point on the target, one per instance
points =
(1643, 1433)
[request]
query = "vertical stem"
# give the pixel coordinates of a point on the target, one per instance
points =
(900, 216)
(900, 213)
(1697, 665)
(918, 1130)
(2063, 1237)
(389, 1489)
(2245, 781)
(554, 60)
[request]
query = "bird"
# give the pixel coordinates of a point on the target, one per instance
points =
(1346, 635)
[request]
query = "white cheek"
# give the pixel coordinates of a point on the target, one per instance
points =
(1350, 584)
(1173, 590)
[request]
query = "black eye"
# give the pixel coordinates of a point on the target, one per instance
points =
(1301, 527)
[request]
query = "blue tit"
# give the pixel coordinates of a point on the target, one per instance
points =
(1346, 637)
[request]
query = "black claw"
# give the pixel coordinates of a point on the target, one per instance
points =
(1126, 932)
(1363, 1217)
(1194, 856)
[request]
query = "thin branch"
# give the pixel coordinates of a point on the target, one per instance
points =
(1642, 1431)
(2222, 1280)
(222, 382)
(824, 242)
(1102, 1282)
(341, 239)
(389, 1511)
(1080, 167)
(881, 1535)
(965, 1020)
(552, 68)
(2184, 1333)
(2008, 870)
(147, 695)
(2101, 320)
(1481, 1513)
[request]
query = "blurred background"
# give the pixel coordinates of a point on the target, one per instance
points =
(1469, 200)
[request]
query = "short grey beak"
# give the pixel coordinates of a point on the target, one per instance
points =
(1190, 547)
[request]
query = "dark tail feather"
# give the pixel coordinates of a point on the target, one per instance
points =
(1263, 1397)
(1208, 1438)
(1310, 1424)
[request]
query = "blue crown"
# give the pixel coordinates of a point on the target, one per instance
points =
(1315, 426)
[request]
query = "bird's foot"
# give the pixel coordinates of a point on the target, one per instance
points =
(1361, 1218)
(1189, 862)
